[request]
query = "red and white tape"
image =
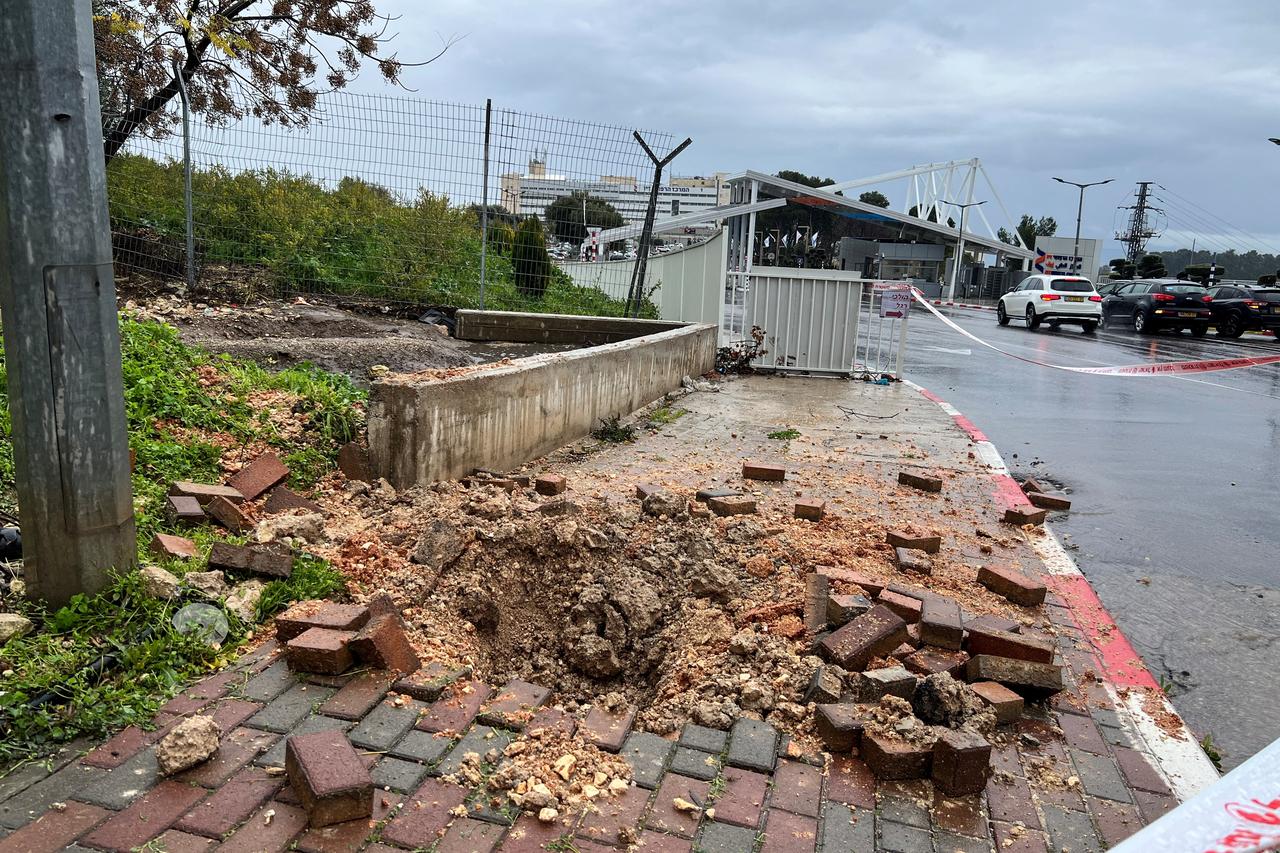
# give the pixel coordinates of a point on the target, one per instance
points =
(1166, 368)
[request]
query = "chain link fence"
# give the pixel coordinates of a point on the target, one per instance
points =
(397, 199)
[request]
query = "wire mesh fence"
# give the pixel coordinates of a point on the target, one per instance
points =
(400, 200)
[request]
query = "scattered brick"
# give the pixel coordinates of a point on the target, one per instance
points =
(267, 560)
(961, 763)
(1044, 501)
(816, 589)
(889, 758)
(608, 729)
(319, 614)
(382, 643)
(940, 623)
(428, 682)
(330, 779)
(168, 547)
(643, 490)
(907, 608)
(763, 471)
(146, 817)
(1006, 704)
(514, 705)
(227, 514)
(840, 725)
(704, 495)
(1031, 485)
(455, 710)
(1031, 647)
(320, 650)
(1031, 680)
(203, 492)
(259, 476)
(843, 608)
(732, 505)
(992, 623)
(873, 633)
(909, 560)
(923, 482)
(353, 462)
(811, 509)
(928, 661)
(873, 684)
(1021, 515)
(55, 829)
(283, 499)
(824, 686)
(550, 485)
(184, 510)
(1013, 585)
(900, 539)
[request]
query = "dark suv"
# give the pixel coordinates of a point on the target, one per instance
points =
(1237, 309)
(1159, 303)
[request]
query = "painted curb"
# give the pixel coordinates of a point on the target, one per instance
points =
(962, 305)
(1182, 762)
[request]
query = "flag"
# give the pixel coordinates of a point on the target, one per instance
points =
(813, 241)
(796, 239)
(785, 239)
(768, 240)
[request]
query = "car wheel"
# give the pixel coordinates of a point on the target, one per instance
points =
(1141, 324)
(1088, 328)
(1054, 325)
(1231, 326)
(1033, 319)
(1199, 329)
(1002, 316)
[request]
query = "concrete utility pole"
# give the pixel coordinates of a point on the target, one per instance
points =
(1075, 255)
(57, 295)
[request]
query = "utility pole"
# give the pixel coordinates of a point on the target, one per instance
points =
(58, 301)
(1139, 230)
(1075, 253)
(955, 271)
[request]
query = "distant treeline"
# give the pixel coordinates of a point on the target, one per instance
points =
(1249, 265)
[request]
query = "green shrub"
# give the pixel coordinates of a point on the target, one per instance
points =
(529, 257)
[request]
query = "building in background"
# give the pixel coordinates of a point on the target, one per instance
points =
(530, 193)
(1055, 256)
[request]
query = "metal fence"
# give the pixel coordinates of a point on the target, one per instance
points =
(392, 198)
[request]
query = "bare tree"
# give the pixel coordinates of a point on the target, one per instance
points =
(267, 58)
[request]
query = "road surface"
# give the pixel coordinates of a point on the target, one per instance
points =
(1176, 490)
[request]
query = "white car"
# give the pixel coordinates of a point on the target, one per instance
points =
(1052, 299)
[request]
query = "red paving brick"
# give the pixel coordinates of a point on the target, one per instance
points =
(1082, 733)
(466, 835)
(229, 713)
(665, 817)
(1153, 806)
(785, 832)
(349, 835)
(54, 829)
(611, 814)
(851, 782)
(552, 718)
(797, 788)
(656, 842)
(243, 794)
(1011, 801)
(1116, 821)
(743, 797)
(1139, 772)
(1016, 839)
(174, 841)
(126, 744)
(424, 815)
(607, 729)
(961, 815)
(235, 751)
(456, 707)
(146, 817)
(260, 836)
(528, 835)
(358, 696)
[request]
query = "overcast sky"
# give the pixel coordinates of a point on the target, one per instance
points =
(1183, 93)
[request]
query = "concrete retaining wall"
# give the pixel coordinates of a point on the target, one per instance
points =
(422, 431)
(553, 328)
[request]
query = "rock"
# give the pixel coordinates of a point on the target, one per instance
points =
(12, 626)
(308, 527)
(640, 604)
(243, 600)
(716, 715)
(756, 696)
(439, 545)
(715, 582)
(744, 643)
(547, 814)
(190, 742)
(593, 655)
(210, 585)
(663, 503)
(941, 700)
(744, 532)
(158, 583)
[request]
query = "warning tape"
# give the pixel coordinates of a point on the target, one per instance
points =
(1167, 368)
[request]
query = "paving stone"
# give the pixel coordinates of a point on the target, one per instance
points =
(456, 707)
(907, 607)
(1032, 680)
(816, 589)
(959, 815)
(846, 829)
(358, 696)
(383, 644)
(909, 560)
(840, 725)
(825, 686)
(695, 736)
(269, 683)
(949, 842)
(785, 832)
(552, 718)
(1115, 821)
(719, 837)
(424, 814)
(260, 835)
(1070, 829)
(797, 788)
(479, 740)
(1137, 769)
(607, 729)
(656, 842)
(1013, 585)
(1082, 733)
(647, 754)
(290, 708)
(1018, 840)
(423, 747)
(147, 816)
(119, 787)
(851, 782)
(810, 509)
(331, 779)
(763, 471)
(1009, 800)
(60, 786)
(283, 499)
(753, 745)
(230, 713)
(466, 835)
(1006, 704)
(513, 705)
(665, 817)
(1100, 776)
(491, 805)
(124, 745)
(732, 505)
(605, 823)
(184, 510)
(232, 803)
(55, 829)
(259, 476)
(529, 835)
(319, 614)
(229, 516)
(1023, 646)
(350, 835)
(903, 810)
(429, 682)
(900, 838)
(1154, 806)
(386, 724)
(923, 482)
(1117, 737)
(875, 632)
(398, 774)
(742, 798)
(695, 763)
(274, 757)
(895, 759)
(173, 841)
(961, 763)
(235, 750)
(902, 539)
(1023, 515)
(203, 492)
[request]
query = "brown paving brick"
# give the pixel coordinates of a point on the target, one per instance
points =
(1017, 839)
(467, 835)
(358, 696)
(1009, 799)
(961, 815)
(1056, 794)
(797, 788)
(283, 499)
(1082, 733)
(1115, 821)
(319, 614)
(785, 832)
(232, 803)
(553, 718)
(174, 841)
(235, 751)
(383, 644)
(349, 835)
(606, 822)
(1004, 758)
(656, 842)
(1154, 806)
(329, 777)
(54, 829)
(229, 713)
(515, 704)
(665, 817)
(456, 707)
(425, 814)
(607, 729)
(146, 817)
(851, 782)
(125, 745)
(259, 476)
(1138, 771)
(260, 836)
(529, 835)
(742, 799)
(183, 705)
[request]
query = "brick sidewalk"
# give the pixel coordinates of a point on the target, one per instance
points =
(1069, 773)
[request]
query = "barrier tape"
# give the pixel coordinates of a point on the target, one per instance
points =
(1167, 368)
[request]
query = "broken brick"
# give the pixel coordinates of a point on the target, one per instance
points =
(643, 490)
(259, 476)
(550, 485)
(872, 634)
(870, 586)
(928, 661)
(185, 510)
(940, 623)
(732, 505)
(283, 499)
(319, 614)
(910, 560)
(961, 763)
(1044, 501)
(382, 644)
(1031, 680)
(811, 509)
(329, 777)
(1003, 702)
(1020, 515)
(203, 492)
(353, 462)
(269, 561)
(890, 758)
(923, 482)
(1030, 485)
(900, 539)
(1013, 585)
(907, 608)
(840, 726)
(815, 602)
(227, 514)
(826, 686)
(874, 684)
(320, 650)
(1031, 647)
(704, 495)
(842, 608)
(168, 547)
(763, 471)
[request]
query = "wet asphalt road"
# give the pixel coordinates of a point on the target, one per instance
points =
(1176, 491)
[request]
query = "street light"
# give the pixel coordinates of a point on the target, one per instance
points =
(955, 273)
(1075, 253)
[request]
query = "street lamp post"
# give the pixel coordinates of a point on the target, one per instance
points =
(955, 271)
(1075, 253)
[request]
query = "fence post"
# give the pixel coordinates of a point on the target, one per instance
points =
(635, 293)
(186, 175)
(484, 200)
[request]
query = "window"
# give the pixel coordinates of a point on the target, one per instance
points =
(1072, 285)
(1182, 288)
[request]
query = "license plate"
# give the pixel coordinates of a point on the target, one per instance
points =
(1075, 299)
(1186, 313)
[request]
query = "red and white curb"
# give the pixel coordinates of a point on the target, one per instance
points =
(962, 305)
(1164, 735)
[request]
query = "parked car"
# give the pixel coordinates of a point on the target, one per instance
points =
(1238, 309)
(1159, 303)
(1052, 299)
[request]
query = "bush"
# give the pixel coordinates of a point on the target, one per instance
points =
(530, 259)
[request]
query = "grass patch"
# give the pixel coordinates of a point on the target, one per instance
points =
(185, 409)
(664, 415)
(787, 434)
(1211, 751)
(614, 430)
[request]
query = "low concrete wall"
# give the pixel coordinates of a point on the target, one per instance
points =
(425, 430)
(475, 325)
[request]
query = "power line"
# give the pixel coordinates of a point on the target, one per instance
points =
(1203, 230)
(1213, 215)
